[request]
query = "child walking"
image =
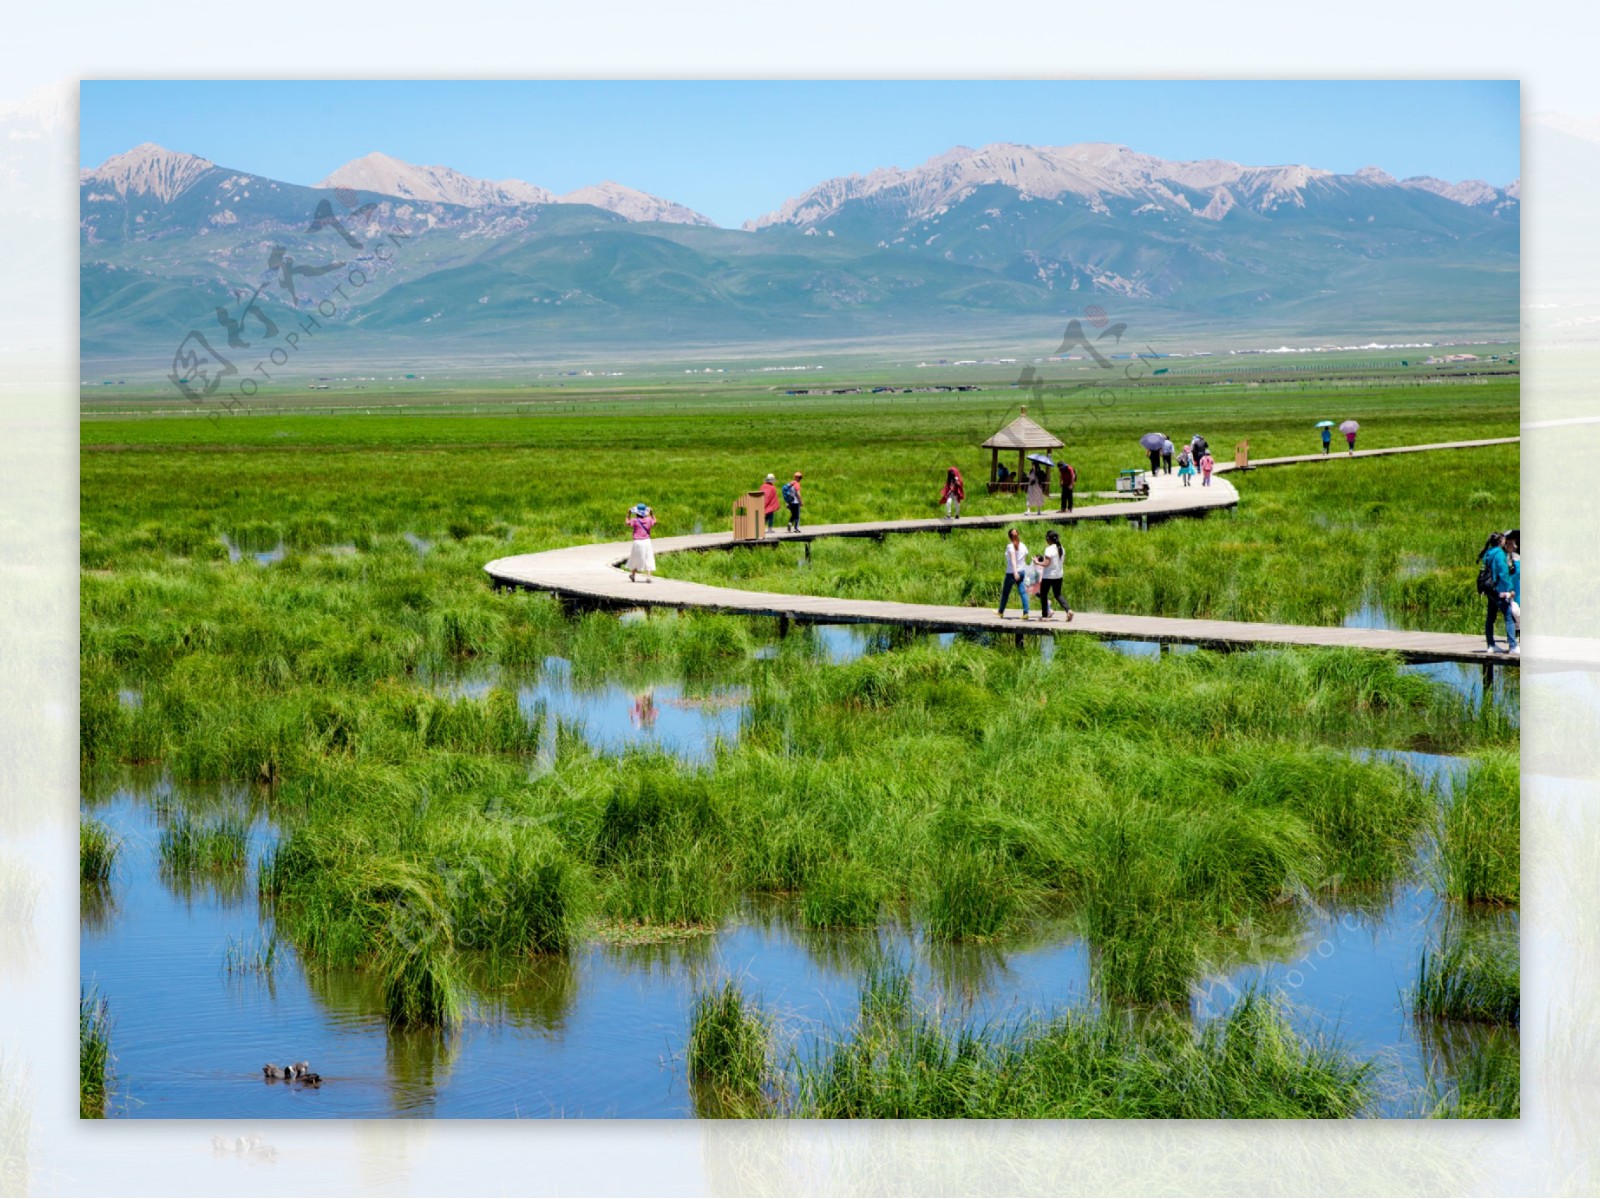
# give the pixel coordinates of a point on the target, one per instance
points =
(1207, 465)
(1185, 466)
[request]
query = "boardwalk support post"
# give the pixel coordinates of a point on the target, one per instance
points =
(783, 625)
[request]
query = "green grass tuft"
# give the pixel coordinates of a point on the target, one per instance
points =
(97, 852)
(728, 1045)
(94, 1054)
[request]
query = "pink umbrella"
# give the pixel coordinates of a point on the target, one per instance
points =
(1349, 426)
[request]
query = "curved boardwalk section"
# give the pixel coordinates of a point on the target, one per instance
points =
(590, 574)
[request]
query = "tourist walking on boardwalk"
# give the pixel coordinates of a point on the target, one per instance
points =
(769, 498)
(1166, 456)
(1207, 465)
(1494, 583)
(1185, 466)
(1069, 480)
(1016, 564)
(954, 492)
(1155, 459)
(1198, 447)
(1350, 428)
(1038, 489)
(1050, 564)
(643, 554)
(1327, 438)
(791, 496)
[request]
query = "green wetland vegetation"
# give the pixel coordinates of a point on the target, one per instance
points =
(285, 620)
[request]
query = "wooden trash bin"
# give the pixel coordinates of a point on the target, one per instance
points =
(1241, 455)
(749, 517)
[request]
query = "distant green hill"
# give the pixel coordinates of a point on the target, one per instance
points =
(165, 243)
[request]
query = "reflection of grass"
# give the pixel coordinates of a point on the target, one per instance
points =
(901, 1063)
(94, 1054)
(16, 1123)
(1488, 1082)
(190, 847)
(1470, 975)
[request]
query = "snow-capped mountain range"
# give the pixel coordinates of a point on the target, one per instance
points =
(1092, 172)
(163, 174)
(997, 235)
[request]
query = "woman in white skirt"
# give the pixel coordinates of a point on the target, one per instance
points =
(643, 555)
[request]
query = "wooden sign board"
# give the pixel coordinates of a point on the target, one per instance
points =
(1241, 454)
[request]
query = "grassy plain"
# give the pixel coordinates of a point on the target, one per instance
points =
(434, 838)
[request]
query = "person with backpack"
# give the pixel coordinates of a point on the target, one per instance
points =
(1198, 447)
(1016, 568)
(769, 498)
(954, 492)
(1494, 584)
(1050, 565)
(791, 496)
(1069, 480)
(1207, 465)
(1185, 466)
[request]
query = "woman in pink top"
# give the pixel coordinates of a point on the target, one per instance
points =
(1207, 465)
(643, 555)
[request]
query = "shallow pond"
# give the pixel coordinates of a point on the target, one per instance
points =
(603, 1033)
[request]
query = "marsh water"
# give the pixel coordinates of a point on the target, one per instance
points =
(199, 1007)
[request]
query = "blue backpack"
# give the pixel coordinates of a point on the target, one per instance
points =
(789, 497)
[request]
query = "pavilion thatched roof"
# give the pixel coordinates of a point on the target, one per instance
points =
(1024, 434)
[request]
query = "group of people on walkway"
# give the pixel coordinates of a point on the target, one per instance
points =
(1500, 583)
(1194, 458)
(790, 493)
(1040, 576)
(1349, 436)
(1036, 486)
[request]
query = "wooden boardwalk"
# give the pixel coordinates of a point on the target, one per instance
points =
(589, 575)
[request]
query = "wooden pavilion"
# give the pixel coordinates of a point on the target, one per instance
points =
(1022, 435)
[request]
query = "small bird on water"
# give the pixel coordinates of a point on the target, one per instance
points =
(299, 1072)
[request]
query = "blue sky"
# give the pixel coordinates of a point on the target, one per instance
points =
(736, 149)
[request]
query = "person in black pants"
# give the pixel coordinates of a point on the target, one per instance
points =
(1069, 480)
(1050, 564)
(1155, 461)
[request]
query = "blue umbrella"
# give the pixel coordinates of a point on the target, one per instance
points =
(1324, 424)
(1153, 441)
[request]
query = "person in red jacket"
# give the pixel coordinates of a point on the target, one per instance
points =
(769, 498)
(1069, 480)
(954, 492)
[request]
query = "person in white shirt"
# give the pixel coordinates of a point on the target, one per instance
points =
(1016, 564)
(1051, 561)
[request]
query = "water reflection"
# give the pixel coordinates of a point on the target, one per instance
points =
(262, 555)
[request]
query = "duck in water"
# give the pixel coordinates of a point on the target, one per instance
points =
(299, 1072)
